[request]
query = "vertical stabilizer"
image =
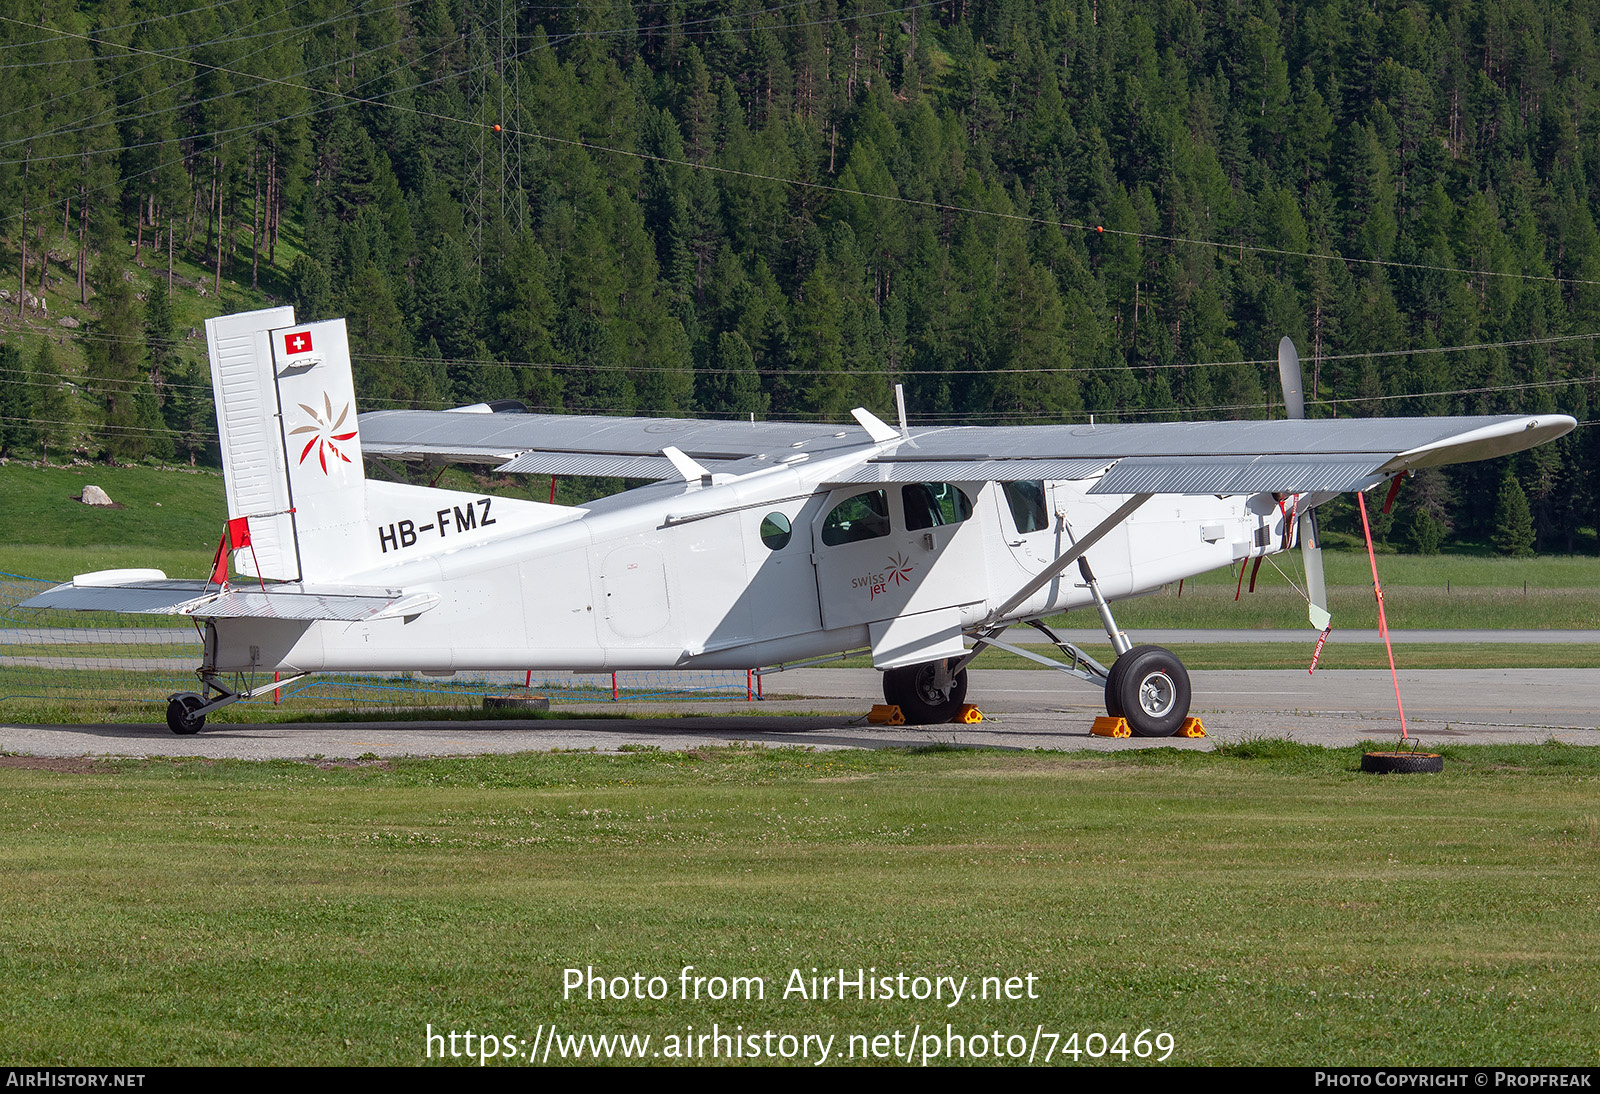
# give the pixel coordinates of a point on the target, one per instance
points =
(291, 449)
(253, 464)
(322, 449)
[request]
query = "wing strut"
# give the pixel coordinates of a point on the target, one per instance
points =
(1053, 571)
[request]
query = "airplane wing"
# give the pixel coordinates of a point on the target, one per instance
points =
(574, 444)
(155, 594)
(1234, 457)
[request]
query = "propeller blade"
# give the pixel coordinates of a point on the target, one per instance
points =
(1294, 405)
(1316, 586)
(1289, 375)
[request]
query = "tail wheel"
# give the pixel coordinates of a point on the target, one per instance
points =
(182, 718)
(916, 691)
(1151, 687)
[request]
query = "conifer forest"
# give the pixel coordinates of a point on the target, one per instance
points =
(1024, 211)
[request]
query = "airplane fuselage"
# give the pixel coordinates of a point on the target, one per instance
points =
(766, 568)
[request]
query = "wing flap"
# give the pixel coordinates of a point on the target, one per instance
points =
(1297, 474)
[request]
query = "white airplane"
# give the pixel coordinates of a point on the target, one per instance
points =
(760, 543)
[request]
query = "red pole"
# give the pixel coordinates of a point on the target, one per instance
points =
(613, 687)
(552, 489)
(1383, 625)
(749, 693)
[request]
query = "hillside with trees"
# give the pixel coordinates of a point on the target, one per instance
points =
(1023, 210)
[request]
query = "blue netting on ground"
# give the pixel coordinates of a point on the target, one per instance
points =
(110, 661)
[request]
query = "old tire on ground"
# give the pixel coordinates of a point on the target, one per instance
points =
(1152, 687)
(181, 716)
(912, 689)
(1402, 763)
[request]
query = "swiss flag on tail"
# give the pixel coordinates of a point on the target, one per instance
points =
(297, 342)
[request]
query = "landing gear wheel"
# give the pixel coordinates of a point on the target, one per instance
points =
(1151, 686)
(1113, 678)
(181, 716)
(915, 691)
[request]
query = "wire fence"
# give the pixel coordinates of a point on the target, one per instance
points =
(112, 665)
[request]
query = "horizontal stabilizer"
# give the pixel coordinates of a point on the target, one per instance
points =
(197, 598)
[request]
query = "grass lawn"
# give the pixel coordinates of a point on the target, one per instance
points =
(1264, 904)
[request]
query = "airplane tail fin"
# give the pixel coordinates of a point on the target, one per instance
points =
(291, 458)
(291, 448)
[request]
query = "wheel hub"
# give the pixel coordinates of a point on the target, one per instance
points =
(1157, 694)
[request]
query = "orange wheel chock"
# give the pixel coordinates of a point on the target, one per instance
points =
(882, 715)
(1192, 728)
(969, 715)
(1107, 726)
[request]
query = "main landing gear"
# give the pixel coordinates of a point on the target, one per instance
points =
(1149, 687)
(926, 694)
(1146, 685)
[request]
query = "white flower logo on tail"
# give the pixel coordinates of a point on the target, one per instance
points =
(325, 436)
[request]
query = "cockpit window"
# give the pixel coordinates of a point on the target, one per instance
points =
(930, 504)
(865, 516)
(1026, 500)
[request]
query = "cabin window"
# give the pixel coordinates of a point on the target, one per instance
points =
(1027, 505)
(930, 504)
(775, 531)
(865, 516)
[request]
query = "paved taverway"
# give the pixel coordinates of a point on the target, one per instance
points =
(1023, 708)
(1029, 636)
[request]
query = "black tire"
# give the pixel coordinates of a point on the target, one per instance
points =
(1113, 699)
(1152, 688)
(913, 691)
(181, 716)
(1402, 763)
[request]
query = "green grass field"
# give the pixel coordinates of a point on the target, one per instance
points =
(1264, 904)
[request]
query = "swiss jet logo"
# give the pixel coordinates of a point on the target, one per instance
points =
(325, 435)
(298, 342)
(898, 571)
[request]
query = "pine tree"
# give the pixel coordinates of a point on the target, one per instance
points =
(114, 364)
(53, 412)
(1513, 532)
(16, 427)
